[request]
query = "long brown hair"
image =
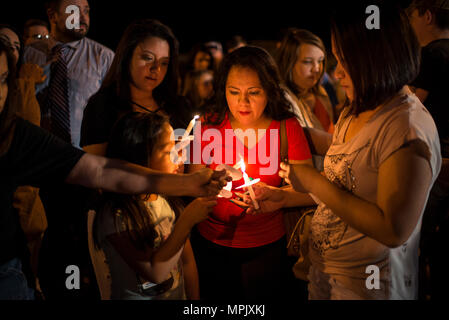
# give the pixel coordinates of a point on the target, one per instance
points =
(288, 53)
(119, 75)
(7, 116)
(260, 61)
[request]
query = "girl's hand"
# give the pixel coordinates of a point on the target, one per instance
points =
(301, 177)
(198, 210)
(206, 182)
(270, 199)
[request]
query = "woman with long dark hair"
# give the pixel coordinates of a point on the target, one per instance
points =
(240, 255)
(143, 77)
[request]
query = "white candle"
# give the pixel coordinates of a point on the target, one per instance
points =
(251, 192)
(190, 127)
(250, 188)
(254, 181)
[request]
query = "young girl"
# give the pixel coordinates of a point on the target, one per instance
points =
(149, 256)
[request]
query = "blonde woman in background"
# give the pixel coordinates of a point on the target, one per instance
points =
(301, 59)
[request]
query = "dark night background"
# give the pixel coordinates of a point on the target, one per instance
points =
(193, 21)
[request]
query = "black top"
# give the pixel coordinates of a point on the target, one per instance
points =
(105, 108)
(35, 158)
(434, 78)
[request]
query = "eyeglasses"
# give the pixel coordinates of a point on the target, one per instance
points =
(40, 36)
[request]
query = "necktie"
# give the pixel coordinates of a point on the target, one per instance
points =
(57, 103)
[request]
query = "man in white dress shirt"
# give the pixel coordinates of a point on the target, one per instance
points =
(87, 60)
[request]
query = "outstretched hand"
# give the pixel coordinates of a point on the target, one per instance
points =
(206, 182)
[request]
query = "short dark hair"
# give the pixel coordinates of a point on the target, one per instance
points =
(379, 61)
(119, 74)
(438, 8)
(7, 116)
(34, 22)
(260, 61)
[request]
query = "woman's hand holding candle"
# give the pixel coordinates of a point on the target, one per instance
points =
(247, 182)
(251, 191)
(269, 198)
(300, 176)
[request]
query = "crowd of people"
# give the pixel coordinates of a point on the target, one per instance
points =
(94, 176)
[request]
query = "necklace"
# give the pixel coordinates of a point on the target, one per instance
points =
(143, 108)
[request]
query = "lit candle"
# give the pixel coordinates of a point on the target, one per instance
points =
(190, 127)
(250, 187)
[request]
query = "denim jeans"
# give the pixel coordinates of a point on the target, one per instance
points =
(13, 284)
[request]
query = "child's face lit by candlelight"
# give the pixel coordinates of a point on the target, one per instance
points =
(160, 157)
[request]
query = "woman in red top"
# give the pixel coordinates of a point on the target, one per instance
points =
(241, 255)
(301, 58)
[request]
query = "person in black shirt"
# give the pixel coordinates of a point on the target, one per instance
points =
(32, 156)
(143, 77)
(430, 21)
